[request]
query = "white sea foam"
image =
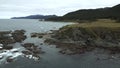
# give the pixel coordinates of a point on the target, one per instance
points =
(13, 53)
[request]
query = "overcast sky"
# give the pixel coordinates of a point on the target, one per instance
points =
(16, 8)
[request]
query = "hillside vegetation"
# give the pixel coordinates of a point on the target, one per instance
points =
(91, 14)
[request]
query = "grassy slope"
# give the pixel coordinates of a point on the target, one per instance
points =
(95, 29)
(99, 23)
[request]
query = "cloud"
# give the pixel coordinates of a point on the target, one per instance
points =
(11, 8)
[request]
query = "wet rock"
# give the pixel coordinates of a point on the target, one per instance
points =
(32, 51)
(53, 31)
(37, 56)
(10, 59)
(7, 47)
(26, 52)
(51, 41)
(28, 45)
(19, 31)
(5, 32)
(15, 51)
(5, 37)
(7, 41)
(33, 34)
(71, 48)
(19, 38)
(32, 48)
(114, 50)
(29, 48)
(36, 51)
(18, 35)
(68, 52)
(62, 52)
(9, 37)
(39, 35)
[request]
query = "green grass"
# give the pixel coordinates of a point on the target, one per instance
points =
(93, 28)
(99, 23)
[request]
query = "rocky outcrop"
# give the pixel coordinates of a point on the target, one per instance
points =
(76, 40)
(18, 35)
(9, 46)
(8, 37)
(32, 49)
(39, 35)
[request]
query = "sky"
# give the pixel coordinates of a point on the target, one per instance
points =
(16, 8)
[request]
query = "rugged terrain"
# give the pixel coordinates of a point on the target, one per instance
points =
(79, 38)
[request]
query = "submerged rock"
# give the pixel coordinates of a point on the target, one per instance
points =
(28, 45)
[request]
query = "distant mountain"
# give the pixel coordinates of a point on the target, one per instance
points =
(35, 17)
(91, 14)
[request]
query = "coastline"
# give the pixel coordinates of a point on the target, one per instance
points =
(80, 38)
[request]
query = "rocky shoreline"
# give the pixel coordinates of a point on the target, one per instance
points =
(12, 45)
(70, 41)
(78, 40)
